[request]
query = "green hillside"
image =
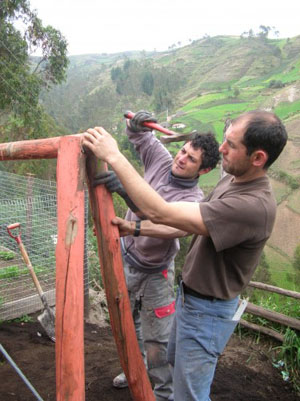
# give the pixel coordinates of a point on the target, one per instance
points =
(199, 86)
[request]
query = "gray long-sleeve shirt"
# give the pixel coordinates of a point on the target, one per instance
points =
(154, 254)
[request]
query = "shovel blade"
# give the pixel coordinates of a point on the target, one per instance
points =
(47, 321)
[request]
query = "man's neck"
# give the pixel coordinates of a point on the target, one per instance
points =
(250, 176)
(183, 182)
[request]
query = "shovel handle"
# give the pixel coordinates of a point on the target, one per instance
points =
(157, 127)
(24, 255)
(12, 227)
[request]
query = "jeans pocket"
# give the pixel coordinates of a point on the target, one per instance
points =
(222, 330)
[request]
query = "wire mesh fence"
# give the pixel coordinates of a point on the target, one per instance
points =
(32, 203)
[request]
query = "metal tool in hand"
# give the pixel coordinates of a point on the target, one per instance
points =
(172, 136)
(47, 317)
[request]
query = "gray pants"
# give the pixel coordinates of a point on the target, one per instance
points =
(152, 304)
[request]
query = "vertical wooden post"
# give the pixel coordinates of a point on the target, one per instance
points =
(69, 272)
(116, 289)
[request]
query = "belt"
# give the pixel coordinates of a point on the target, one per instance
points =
(190, 291)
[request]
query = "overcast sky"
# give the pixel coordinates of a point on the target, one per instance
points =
(110, 26)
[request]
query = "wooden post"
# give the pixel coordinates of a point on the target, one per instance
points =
(69, 272)
(116, 290)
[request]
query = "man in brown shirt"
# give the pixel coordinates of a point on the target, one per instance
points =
(231, 227)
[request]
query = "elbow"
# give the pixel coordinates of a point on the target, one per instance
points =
(158, 215)
(155, 217)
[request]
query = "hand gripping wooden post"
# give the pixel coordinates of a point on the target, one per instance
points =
(115, 287)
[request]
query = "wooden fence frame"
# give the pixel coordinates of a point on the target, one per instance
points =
(73, 167)
(270, 315)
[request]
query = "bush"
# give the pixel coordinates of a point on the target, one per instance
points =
(275, 84)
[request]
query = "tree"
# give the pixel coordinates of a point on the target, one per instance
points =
(264, 32)
(21, 77)
(148, 83)
(236, 92)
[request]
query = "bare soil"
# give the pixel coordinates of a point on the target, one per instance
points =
(244, 372)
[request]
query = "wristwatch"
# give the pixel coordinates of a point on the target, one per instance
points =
(137, 230)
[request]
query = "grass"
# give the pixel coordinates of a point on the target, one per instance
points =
(7, 255)
(210, 179)
(202, 100)
(14, 271)
(287, 76)
(22, 319)
(286, 109)
(11, 272)
(281, 269)
(293, 201)
(281, 190)
(288, 359)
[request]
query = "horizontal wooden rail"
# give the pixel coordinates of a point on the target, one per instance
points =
(262, 329)
(272, 288)
(270, 315)
(273, 316)
(33, 149)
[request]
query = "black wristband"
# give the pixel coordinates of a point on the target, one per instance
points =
(137, 230)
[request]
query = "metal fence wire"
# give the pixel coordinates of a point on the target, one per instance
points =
(32, 203)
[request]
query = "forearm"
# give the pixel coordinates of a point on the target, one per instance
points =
(147, 229)
(141, 193)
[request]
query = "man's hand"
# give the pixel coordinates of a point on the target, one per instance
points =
(111, 181)
(113, 184)
(142, 116)
(101, 143)
(125, 227)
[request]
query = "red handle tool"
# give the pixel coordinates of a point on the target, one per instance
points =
(157, 127)
(12, 227)
(172, 136)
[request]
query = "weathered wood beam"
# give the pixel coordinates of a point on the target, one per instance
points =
(273, 316)
(261, 329)
(32, 149)
(70, 381)
(115, 288)
(272, 288)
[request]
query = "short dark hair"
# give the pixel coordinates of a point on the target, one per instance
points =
(264, 130)
(210, 147)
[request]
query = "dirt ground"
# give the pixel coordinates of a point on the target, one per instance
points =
(244, 372)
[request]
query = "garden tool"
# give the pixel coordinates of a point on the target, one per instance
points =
(47, 317)
(20, 373)
(172, 136)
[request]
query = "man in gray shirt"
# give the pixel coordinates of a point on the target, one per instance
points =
(230, 227)
(149, 262)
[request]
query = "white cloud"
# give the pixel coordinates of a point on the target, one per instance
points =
(95, 26)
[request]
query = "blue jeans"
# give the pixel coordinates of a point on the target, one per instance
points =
(200, 331)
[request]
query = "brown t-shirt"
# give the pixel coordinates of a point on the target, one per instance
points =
(239, 218)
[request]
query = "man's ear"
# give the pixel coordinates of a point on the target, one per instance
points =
(259, 158)
(204, 171)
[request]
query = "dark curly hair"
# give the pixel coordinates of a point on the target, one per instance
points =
(210, 147)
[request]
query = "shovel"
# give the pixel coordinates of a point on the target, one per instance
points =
(47, 317)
